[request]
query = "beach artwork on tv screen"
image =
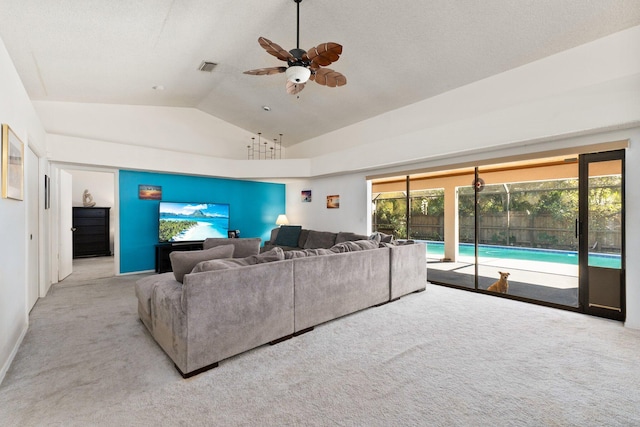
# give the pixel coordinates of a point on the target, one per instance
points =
(183, 222)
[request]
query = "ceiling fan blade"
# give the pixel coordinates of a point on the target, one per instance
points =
(274, 49)
(266, 71)
(329, 77)
(324, 54)
(294, 88)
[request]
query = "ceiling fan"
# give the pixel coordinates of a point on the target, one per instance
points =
(302, 65)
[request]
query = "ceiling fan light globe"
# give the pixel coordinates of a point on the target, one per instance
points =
(298, 74)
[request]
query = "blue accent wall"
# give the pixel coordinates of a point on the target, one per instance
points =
(254, 207)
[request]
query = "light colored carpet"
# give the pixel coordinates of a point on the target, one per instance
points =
(443, 357)
(85, 270)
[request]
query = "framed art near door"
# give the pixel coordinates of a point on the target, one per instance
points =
(12, 164)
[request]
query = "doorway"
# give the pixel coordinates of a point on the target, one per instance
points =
(101, 184)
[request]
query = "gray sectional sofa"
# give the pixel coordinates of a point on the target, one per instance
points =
(217, 314)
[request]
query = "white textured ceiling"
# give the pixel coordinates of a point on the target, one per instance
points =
(395, 52)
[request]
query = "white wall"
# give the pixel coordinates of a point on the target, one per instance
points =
(102, 189)
(82, 151)
(352, 214)
(99, 184)
(183, 130)
(17, 111)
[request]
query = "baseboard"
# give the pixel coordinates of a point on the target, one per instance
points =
(12, 355)
(130, 273)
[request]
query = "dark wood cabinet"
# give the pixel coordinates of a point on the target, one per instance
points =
(163, 262)
(91, 232)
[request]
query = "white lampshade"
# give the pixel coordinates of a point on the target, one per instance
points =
(282, 220)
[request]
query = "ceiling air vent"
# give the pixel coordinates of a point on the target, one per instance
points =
(207, 66)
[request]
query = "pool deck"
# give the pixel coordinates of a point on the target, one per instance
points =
(549, 274)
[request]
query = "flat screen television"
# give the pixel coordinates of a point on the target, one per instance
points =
(188, 222)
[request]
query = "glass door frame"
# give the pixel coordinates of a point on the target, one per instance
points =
(582, 230)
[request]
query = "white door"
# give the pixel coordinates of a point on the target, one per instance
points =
(65, 261)
(33, 210)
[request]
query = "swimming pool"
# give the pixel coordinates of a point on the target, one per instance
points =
(436, 250)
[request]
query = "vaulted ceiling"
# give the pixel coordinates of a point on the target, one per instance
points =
(395, 53)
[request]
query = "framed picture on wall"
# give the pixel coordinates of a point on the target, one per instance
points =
(333, 202)
(305, 196)
(149, 192)
(12, 164)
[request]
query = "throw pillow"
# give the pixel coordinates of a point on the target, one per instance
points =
(182, 262)
(288, 235)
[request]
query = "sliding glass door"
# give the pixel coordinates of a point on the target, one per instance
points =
(553, 227)
(525, 225)
(601, 230)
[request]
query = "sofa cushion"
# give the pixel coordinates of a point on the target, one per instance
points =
(346, 247)
(349, 237)
(288, 235)
(319, 251)
(320, 239)
(295, 254)
(144, 288)
(275, 254)
(304, 235)
(366, 244)
(395, 243)
(356, 245)
(182, 262)
(244, 246)
(268, 247)
(219, 264)
(307, 253)
(274, 235)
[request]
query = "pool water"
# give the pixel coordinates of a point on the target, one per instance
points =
(436, 250)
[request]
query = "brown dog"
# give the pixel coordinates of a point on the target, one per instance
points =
(501, 285)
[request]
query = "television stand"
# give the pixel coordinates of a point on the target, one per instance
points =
(163, 262)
